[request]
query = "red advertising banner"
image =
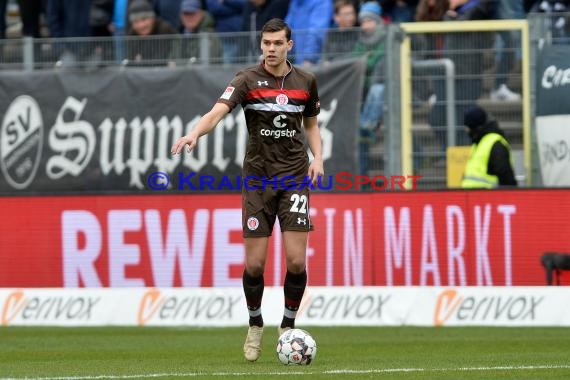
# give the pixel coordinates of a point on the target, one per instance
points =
(447, 238)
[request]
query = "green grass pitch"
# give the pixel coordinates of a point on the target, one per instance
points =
(343, 353)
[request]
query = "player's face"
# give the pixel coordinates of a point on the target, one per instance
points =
(275, 47)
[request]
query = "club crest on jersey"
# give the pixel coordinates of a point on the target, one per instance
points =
(282, 99)
(228, 93)
(252, 223)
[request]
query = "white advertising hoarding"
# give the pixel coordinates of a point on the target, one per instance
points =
(321, 306)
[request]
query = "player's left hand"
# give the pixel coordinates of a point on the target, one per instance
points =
(316, 170)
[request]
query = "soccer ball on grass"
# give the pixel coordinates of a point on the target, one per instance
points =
(296, 346)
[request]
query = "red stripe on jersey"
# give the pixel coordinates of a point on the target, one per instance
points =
(271, 93)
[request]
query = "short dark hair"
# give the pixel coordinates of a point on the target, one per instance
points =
(341, 3)
(276, 25)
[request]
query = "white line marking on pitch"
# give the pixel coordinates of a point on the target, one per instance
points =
(288, 373)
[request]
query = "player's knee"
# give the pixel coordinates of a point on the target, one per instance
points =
(296, 265)
(255, 268)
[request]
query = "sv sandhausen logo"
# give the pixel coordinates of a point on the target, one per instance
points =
(21, 141)
(451, 306)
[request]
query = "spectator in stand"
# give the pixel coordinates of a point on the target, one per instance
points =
(399, 10)
(490, 163)
(3, 8)
(101, 23)
(101, 17)
(143, 22)
(507, 51)
(371, 44)
(69, 19)
(464, 49)
(196, 20)
(228, 19)
(309, 20)
(341, 38)
(255, 14)
(169, 11)
(30, 14)
(428, 46)
(558, 22)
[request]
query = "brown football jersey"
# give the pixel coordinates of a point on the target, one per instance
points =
(274, 108)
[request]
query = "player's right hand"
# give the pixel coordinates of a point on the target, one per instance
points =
(189, 140)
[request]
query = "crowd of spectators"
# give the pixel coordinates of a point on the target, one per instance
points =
(105, 18)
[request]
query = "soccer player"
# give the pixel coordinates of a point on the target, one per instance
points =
(278, 101)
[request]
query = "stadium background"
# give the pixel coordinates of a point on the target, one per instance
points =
(77, 211)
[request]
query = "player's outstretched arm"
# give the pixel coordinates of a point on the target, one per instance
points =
(204, 126)
(314, 139)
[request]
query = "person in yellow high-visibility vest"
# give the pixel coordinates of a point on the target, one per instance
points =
(490, 162)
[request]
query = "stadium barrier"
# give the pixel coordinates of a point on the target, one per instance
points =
(321, 306)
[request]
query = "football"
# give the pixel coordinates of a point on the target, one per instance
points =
(296, 346)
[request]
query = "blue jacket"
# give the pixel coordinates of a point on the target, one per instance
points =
(68, 18)
(312, 18)
(227, 14)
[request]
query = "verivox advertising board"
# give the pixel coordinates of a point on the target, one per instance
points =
(322, 306)
(445, 238)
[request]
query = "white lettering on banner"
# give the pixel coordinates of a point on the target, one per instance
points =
(507, 211)
(345, 307)
(277, 255)
(118, 161)
(353, 246)
(197, 158)
(219, 161)
(429, 245)
(327, 136)
(451, 306)
(227, 253)
(23, 308)
(79, 262)
(310, 251)
(167, 132)
(139, 163)
(116, 133)
(74, 141)
(122, 254)
(397, 244)
(241, 138)
(555, 77)
(329, 245)
(160, 308)
(482, 245)
(165, 251)
(455, 251)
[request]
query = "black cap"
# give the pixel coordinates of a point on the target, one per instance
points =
(474, 117)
